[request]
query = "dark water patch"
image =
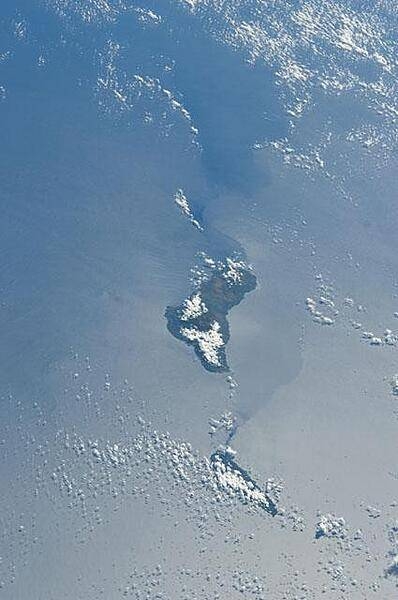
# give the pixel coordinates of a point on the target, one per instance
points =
(234, 103)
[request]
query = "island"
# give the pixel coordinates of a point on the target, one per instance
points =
(236, 480)
(201, 319)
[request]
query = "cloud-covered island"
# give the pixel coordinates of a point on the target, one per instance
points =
(201, 319)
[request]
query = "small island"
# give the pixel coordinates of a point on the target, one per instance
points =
(201, 320)
(236, 480)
